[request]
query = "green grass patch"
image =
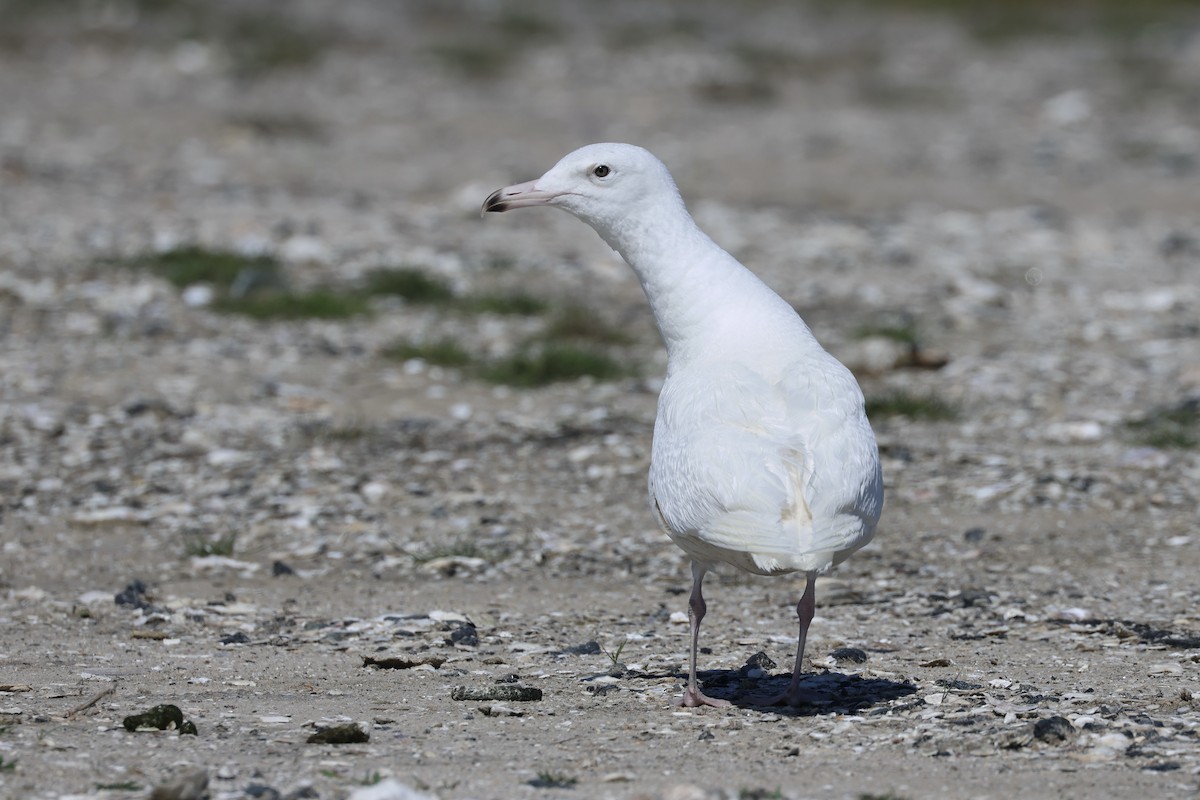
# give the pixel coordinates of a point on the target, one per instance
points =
(122, 786)
(522, 26)
(442, 352)
(22, 8)
(899, 403)
(266, 43)
(884, 93)
(769, 61)
(766, 67)
(282, 125)
(315, 304)
(258, 43)
(414, 285)
(581, 323)
(474, 59)
(222, 546)
(1176, 428)
(224, 269)
(457, 548)
(615, 656)
(749, 90)
(419, 287)
(334, 432)
(552, 364)
(256, 286)
(511, 304)
(905, 334)
(553, 780)
(8, 765)
(499, 261)
(1006, 20)
(760, 794)
(674, 24)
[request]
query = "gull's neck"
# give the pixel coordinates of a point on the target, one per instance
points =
(705, 303)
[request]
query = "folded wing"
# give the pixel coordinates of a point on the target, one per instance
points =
(768, 475)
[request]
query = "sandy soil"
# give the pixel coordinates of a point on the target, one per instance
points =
(1024, 625)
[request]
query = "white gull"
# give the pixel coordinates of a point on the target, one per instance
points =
(763, 457)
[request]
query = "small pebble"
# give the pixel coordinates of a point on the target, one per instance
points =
(403, 662)
(349, 733)
(1054, 730)
(849, 655)
(502, 692)
(262, 792)
(760, 662)
(132, 596)
(465, 635)
(191, 785)
(500, 710)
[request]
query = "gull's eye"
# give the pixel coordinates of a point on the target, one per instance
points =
(601, 170)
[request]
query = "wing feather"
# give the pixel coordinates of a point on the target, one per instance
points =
(737, 470)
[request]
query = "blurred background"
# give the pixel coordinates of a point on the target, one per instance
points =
(236, 210)
(987, 209)
(256, 341)
(1017, 170)
(858, 106)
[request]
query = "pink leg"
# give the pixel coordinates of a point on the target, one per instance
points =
(805, 610)
(692, 696)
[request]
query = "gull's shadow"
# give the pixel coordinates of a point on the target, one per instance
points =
(822, 692)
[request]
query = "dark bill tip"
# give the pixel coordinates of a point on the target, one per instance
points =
(495, 202)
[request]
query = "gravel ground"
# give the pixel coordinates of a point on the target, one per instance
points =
(279, 529)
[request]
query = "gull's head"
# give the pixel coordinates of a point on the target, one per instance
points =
(602, 184)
